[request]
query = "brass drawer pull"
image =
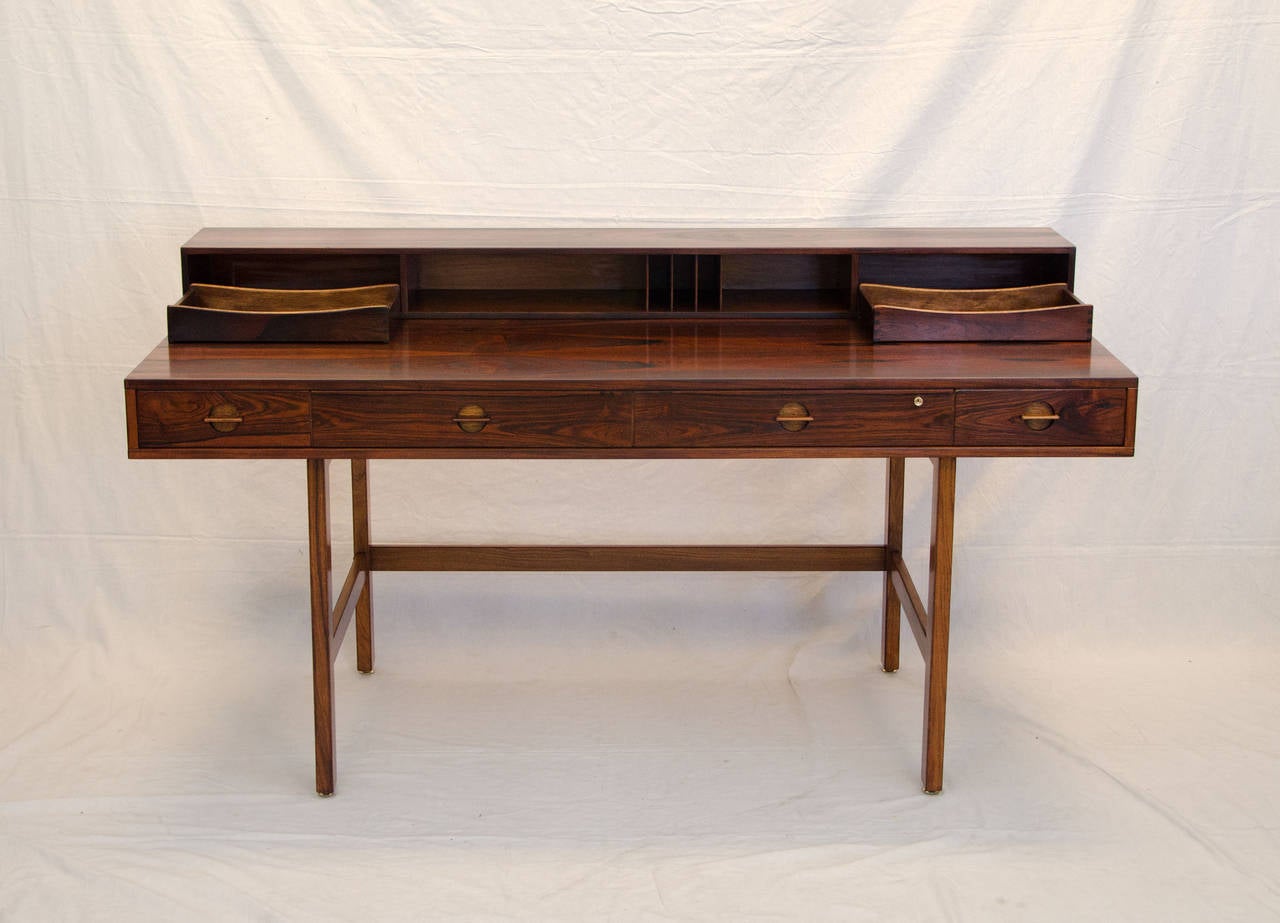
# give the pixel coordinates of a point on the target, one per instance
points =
(793, 416)
(224, 418)
(471, 418)
(1039, 415)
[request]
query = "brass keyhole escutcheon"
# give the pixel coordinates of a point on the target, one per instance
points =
(224, 418)
(918, 401)
(471, 418)
(793, 416)
(1038, 415)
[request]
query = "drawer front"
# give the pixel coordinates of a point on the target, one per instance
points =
(382, 419)
(757, 419)
(1073, 416)
(223, 418)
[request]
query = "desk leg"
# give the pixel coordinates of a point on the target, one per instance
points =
(321, 655)
(892, 632)
(940, 558)
(360, 540)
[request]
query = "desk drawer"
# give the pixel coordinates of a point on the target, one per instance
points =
(1073, 416)
(752, 419)
(223, 418)
(382, 419)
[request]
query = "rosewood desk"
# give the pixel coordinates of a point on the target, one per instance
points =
(630, 344)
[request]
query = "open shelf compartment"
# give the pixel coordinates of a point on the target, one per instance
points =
(786, 282)
(533, 282)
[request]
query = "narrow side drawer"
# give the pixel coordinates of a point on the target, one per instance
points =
(223, 418)
(1075, 416)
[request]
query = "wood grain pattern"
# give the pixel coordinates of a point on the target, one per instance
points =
(1130, 416)
(387, 418)
(344, 609)
(939, 624)
(321, 635)
(627, 557)
(360, 546)
(748, 419)
(230, 314)
(909, 596)
(627, 354)
(891, 623)
(961, 269)
(280, 418)
(611, 270)
(131, 417)
(525, 304)
(1092, 416)
(788, 271)
(514, 452)
(261, 269)
(892, 324)
(354, 325)
(652, 384)
(528, 272)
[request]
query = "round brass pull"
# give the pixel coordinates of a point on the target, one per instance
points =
(793, 416)
(471, 418)
(224, 417)
(1039, 415)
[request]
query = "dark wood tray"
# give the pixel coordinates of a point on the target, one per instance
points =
(232, 314)
(1033, 312)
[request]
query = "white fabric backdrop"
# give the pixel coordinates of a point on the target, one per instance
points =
(634, 747)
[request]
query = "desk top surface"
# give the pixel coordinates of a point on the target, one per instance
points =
(631, 355)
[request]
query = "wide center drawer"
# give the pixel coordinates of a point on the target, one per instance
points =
(393, 419)
(749, 419)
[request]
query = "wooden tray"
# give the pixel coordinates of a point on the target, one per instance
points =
(1033, 312)
(231, 314)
